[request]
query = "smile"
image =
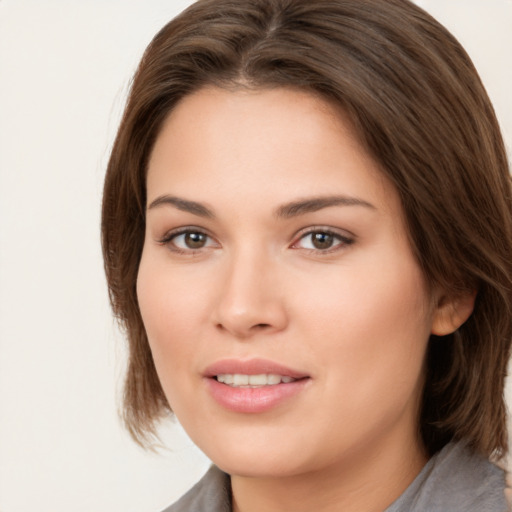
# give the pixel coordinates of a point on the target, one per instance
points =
(251, 381)
(253, 386)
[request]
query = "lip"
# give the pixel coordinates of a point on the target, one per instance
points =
(255, 399)
(252, 367)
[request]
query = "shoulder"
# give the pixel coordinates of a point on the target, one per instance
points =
(458, 480)
(471, 481)
(211, 494)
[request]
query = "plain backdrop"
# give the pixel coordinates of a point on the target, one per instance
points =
(65, 67)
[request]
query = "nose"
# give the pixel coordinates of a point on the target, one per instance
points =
(250, 298)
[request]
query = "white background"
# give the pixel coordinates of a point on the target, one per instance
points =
(65, 67)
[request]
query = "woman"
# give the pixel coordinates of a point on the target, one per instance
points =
(307, 234)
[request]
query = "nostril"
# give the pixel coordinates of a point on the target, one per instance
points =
(261, 326)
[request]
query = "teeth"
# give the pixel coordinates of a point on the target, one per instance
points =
(274, 379)
(240, 380)
(257, 380)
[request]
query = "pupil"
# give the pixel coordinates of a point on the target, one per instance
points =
(195, 240)
(322, 240)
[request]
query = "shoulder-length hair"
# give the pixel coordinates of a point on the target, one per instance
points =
(420, 109)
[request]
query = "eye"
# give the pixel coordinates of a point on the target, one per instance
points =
(322, 240)
(188, 240)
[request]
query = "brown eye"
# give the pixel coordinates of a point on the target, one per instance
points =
(188, 241)
(195, 240)
(322, 240)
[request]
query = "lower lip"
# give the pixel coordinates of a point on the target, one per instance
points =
(254, 400)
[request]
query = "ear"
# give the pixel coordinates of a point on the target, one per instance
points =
(451, 312)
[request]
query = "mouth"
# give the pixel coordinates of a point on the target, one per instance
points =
(253, 386)
(252, 372)
(239, 380)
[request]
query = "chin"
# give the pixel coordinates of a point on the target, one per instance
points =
(269, 458)
(259, 467)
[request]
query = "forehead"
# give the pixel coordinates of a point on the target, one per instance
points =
(263, 144)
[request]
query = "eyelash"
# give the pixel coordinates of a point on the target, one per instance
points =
(342, 240)
(168, 240)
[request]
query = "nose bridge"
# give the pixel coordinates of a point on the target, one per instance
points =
(250, 299)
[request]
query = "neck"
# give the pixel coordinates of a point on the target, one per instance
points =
(369, 480)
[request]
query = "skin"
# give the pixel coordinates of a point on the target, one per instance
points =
(355, 317)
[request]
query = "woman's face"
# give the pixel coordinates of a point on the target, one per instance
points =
(276, 260)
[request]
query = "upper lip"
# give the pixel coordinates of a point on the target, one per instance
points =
(251, 367)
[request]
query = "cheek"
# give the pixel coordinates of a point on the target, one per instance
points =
(169, 313)
(171, 298)
(169, 306)
(373, 326)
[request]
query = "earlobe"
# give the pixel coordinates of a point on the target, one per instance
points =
(452, 312)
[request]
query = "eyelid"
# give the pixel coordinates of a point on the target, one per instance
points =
(345, 238)
(168, 237)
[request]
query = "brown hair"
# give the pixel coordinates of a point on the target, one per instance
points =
(420, 109)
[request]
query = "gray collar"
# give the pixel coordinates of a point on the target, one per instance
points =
(454, 480)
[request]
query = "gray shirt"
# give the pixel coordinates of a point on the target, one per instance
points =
(453, 480)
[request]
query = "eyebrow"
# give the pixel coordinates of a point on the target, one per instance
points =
(314, 204)
(182, 204)
(286, 211)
